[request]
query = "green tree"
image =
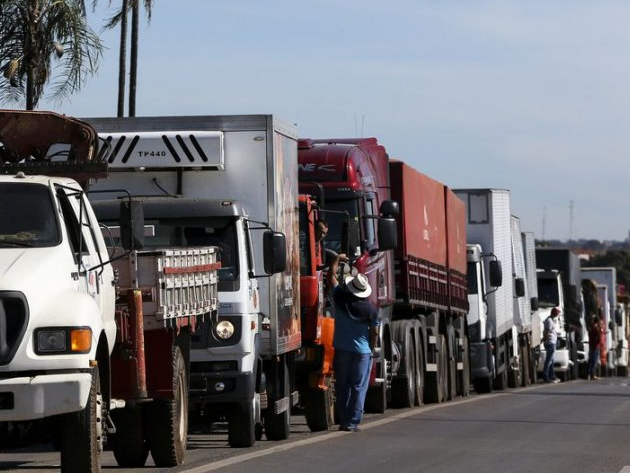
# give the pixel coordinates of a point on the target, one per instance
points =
(121, 18)
(33, 34)
(619, 259)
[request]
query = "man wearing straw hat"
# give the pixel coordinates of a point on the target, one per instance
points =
(356, 330)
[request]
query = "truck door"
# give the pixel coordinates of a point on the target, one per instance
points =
(82, 241)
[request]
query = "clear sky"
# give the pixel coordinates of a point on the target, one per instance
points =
(528, 95)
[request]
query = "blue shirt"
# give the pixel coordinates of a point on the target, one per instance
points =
(353, 319)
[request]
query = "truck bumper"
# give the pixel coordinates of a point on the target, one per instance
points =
(481, 360)
(222, 387)
(36, 397)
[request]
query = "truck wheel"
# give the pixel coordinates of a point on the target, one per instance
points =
(622, 371)
(404, 383)
(451, 363)
(376, 398)
(319, 407)
(278, 426)
(167, 419)
(501, 381)
(482, 385)
(434, 388)
(463, 376)
(128, 443)
(82, 434)
(525, 364)
(418, 349)
(242, 425)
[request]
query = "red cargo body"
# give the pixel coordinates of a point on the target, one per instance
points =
(431, 255)
(457, 264)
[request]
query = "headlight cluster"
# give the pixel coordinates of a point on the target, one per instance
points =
(60, 340)
(224, 330)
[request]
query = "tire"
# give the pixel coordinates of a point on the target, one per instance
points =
(482, 385)
(434, 388)
(515, 376)
(463, 376)
(242, 425)
(404, 383)
(622, 371)
(564, 375)
(419, 360)
(525, 364)
(82, 433)
(451, 363)
(376, 398)
(167, 419)
(128, 443)
(278, 426)
(319, 407)
(500, 382)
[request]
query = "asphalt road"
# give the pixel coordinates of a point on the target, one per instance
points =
(571, 427)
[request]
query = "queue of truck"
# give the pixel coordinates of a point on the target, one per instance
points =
(189, 247)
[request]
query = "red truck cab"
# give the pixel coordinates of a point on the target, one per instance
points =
(350, 179)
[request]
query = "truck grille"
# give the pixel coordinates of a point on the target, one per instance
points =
(13, 322)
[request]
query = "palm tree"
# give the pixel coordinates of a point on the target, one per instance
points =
(33, 33)
(121, 18)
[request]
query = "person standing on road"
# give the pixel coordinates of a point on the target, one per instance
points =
(594, 335)
(356, 331)
(550, 334)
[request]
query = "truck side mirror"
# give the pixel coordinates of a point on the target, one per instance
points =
(519, 287)
(131, 225)
(274, 252)
(496, 273)
(389, 208)
(618, 316)
(534, 303)
(387, 238)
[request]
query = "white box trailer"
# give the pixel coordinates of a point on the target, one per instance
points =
(489, 226)
(225, 179)
(522, 303)
(617, 342)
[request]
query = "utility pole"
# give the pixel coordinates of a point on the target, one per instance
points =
(544, 222)
(571, 219)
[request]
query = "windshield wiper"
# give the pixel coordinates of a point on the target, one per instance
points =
(21, 244)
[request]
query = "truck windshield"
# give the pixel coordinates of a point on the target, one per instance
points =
(472, 278)
(336, 213)
(27, 216)
(219, 232)
(548, 293)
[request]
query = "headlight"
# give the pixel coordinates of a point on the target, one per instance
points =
(224, 329)
(60, 340)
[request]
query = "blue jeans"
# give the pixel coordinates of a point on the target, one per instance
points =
(593, 356)
(548, 373)
(352, 378)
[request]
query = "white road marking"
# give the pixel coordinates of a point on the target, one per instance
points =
(320, 438)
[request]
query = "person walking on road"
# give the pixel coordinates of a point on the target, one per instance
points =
(594, 335)
(356, 331)
(550, 334)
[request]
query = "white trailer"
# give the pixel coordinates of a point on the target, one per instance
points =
(522, 308)
(226, 181)
(617, 343)
(494, 347)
